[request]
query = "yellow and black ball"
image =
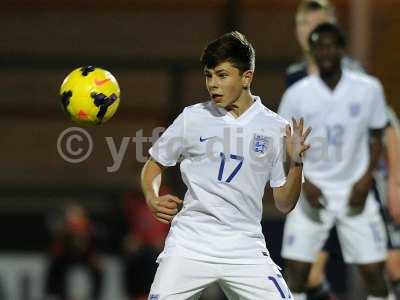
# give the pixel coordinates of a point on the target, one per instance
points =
(90, 95)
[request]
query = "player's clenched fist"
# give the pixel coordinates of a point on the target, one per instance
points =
(359, 194)
(164, 208)
(313, 194)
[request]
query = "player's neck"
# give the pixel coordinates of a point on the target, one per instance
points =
(331, 79)
(312, 67)
(242, 104)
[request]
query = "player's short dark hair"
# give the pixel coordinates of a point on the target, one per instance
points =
(231, 47)
(328, 28)
(306, 6)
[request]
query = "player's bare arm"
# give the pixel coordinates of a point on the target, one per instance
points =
(287, 195)
(393, 151)
(165, 207)
(362, 187)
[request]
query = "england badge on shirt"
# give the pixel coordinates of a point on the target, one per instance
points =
(260, 144)
(355, 109)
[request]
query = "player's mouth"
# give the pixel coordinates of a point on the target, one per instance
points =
(327, 64)
(216, 97)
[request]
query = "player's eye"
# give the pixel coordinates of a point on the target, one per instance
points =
(223, 75)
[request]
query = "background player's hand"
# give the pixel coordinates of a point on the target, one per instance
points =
(359, 194)
(394, 200)
(295, 141)
(164, 208)
(313, 194)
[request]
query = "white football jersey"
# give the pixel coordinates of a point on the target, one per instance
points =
(340, 121)
(225, 163)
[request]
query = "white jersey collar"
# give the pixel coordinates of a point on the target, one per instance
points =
(245, 116)
(325, 89)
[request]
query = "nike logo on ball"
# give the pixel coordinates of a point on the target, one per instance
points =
(101, 82)
(205, 139)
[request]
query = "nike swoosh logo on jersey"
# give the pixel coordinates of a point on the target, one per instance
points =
(205, 139)
(101, 82)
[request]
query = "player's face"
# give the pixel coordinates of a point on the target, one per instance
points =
(327, 53)
(307, 23)
(225, 83)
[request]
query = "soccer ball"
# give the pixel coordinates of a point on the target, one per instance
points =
(90, 95)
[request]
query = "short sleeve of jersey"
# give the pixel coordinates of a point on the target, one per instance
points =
(170, 146)
(278, 177)
(378, 117)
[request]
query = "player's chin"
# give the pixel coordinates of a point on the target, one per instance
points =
(328, 67)
(220, 102)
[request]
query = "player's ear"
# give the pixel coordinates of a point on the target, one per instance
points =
(247, 77)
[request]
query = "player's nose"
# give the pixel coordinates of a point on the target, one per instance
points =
(212, 83)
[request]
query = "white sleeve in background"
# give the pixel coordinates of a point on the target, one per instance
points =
(378, 117)
(170, 146)
(287, 106)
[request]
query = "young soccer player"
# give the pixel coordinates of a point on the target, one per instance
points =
(228, 149)
(348, 110)
(311, 13)
(387, 188)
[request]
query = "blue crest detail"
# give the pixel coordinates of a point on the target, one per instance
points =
(260, 143)
(290, 240)
(154, 297)
(355, 109)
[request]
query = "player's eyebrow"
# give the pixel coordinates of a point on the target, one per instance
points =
(221, 71)
(216, 71)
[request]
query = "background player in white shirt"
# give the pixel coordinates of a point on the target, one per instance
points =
(311, 13)
(228, 149)
(348, 111)
(387, 188)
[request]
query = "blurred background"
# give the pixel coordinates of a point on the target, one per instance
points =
(54, 213)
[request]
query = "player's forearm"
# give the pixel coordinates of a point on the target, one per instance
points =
(286, 197)
(393, 153)
(151, 179)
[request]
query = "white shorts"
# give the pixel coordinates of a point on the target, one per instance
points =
(180, 278)
(362, 237)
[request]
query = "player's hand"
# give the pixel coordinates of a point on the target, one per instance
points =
(164, 208)
(394, 200)
(359, 193)
(313, 194)
(295, 141)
